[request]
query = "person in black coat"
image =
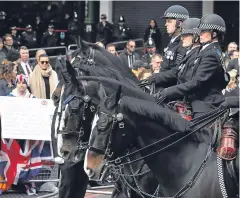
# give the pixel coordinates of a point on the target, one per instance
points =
(173, 53)
(234, 64)
(121, 31)
(104, 30)
(153, 32)
(203, 87)
(29, 38)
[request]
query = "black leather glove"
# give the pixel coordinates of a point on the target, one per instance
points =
(160, 96)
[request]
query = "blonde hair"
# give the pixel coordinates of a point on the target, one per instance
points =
(39, 53)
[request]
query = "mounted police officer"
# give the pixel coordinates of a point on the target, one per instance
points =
(150, 48)
(174, 52)
(183, 72)
(202, 86)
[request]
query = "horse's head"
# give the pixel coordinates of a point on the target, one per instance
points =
(80, 107)
(110, 136)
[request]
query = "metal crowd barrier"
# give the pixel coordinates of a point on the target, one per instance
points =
(50, 172)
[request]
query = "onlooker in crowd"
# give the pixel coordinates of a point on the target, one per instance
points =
(8, 73)
(39, 27)
(150, 49)
(24, 67)
(21, 90)
(233, 54)
(138, 67)
(156, 63)
(153, 32)
(16, 38)
(100, 44)
(49, 39)
(38, 54)
(234, 64)
(121, 31)
(145, 74)
(10, 53)
(231, 46)
(129, 56)
(69, 55)
(112, 49)
(29, 38)
(233, 81)
(22, 87)
(43, 80)
(104, 30)
(2, 53)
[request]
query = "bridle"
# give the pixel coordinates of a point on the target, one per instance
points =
(90, 59)
(118, 163)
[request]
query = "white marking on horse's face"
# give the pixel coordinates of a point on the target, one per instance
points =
(94, 123)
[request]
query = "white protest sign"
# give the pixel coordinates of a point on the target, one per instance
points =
(26, 118)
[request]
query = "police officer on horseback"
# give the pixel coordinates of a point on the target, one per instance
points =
(174, 52)
(183, 72)
(202, 85)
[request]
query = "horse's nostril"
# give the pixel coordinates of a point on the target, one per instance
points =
(91, 172)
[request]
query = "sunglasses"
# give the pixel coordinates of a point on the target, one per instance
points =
(42, 62)
(132, 46)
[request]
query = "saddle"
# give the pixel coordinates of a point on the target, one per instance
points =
(184, 109)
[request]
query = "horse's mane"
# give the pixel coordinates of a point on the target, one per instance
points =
(153, 111)
(129, 91)
(110, 61)
(106, 72)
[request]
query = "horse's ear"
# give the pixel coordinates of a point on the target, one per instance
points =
(114, 98)
(101, 91)
(80, 43)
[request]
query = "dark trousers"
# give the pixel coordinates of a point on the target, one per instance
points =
(74, 180)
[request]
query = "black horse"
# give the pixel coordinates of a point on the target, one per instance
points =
(185, 164)
(74, 117)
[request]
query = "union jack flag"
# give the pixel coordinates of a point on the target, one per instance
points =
(17, 164)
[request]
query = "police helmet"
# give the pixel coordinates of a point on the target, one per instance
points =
(212, 22)
(28, 26)
(13, 28)
(190, 26)
(176, 12)
(121, 19)
(51, 26)
(150, 43)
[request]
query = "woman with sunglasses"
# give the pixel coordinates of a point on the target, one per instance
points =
(43, 79)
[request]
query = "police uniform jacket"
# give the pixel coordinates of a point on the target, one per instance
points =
(49, 40)
(204, 82)
(147, 58)
(122, 33)
(173, 54)
(29, 39)
(104, 32)
(181, 73)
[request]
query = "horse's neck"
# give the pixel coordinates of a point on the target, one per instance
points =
(175, 166)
